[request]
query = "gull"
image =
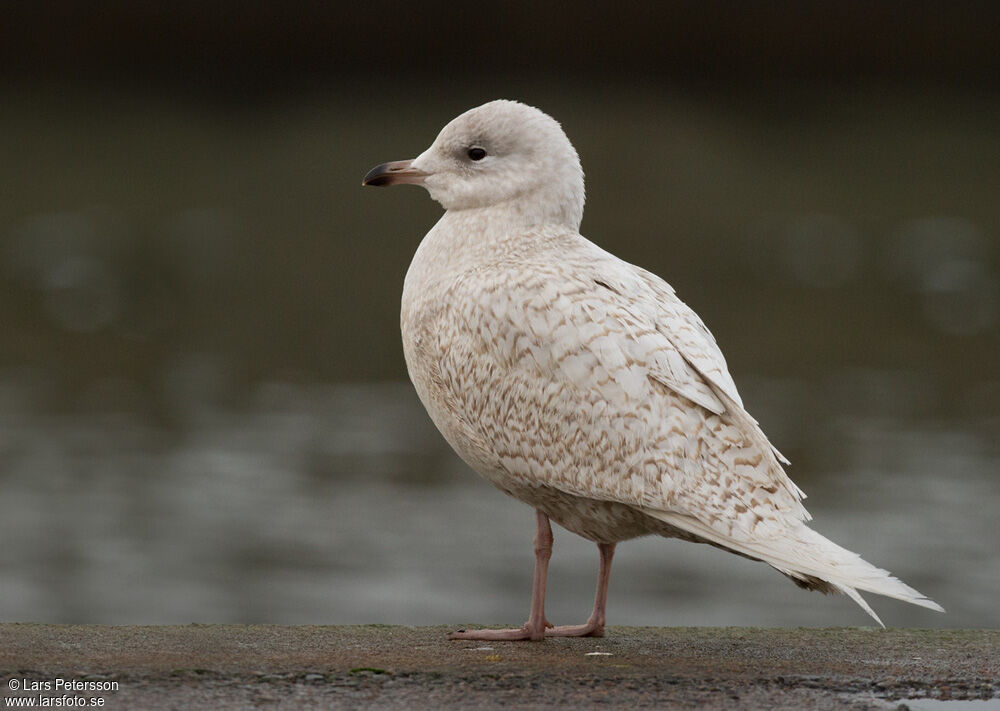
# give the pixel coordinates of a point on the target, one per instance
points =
(581, 384)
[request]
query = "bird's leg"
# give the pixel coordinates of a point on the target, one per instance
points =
(593, 627)
(535, 627)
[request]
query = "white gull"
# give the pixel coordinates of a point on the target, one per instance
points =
(580, 384)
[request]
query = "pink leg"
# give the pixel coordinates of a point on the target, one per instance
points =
(594, 627)
(534, 628)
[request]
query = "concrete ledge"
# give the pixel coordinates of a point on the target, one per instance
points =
(236, 666)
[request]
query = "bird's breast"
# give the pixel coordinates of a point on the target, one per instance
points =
(432, 339)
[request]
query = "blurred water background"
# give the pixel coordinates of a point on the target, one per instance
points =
(204, 413)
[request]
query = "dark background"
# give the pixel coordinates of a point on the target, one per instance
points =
(247, 47)
(201, 384)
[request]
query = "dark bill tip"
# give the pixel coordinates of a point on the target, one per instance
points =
(394, 173)
(376, 177)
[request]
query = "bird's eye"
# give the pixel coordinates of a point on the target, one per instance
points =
(477, 153)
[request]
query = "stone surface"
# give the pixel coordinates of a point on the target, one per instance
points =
(234, 667)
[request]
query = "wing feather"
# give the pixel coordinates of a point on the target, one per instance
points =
(577, 372)
(589, 401)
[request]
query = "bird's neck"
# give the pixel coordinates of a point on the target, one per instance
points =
(464, 239)
(467, 240)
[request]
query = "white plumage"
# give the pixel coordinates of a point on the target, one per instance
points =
(580, 384)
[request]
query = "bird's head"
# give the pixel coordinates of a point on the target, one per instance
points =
(500, 152)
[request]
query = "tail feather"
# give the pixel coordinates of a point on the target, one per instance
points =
(804, 555)
(856, 596)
